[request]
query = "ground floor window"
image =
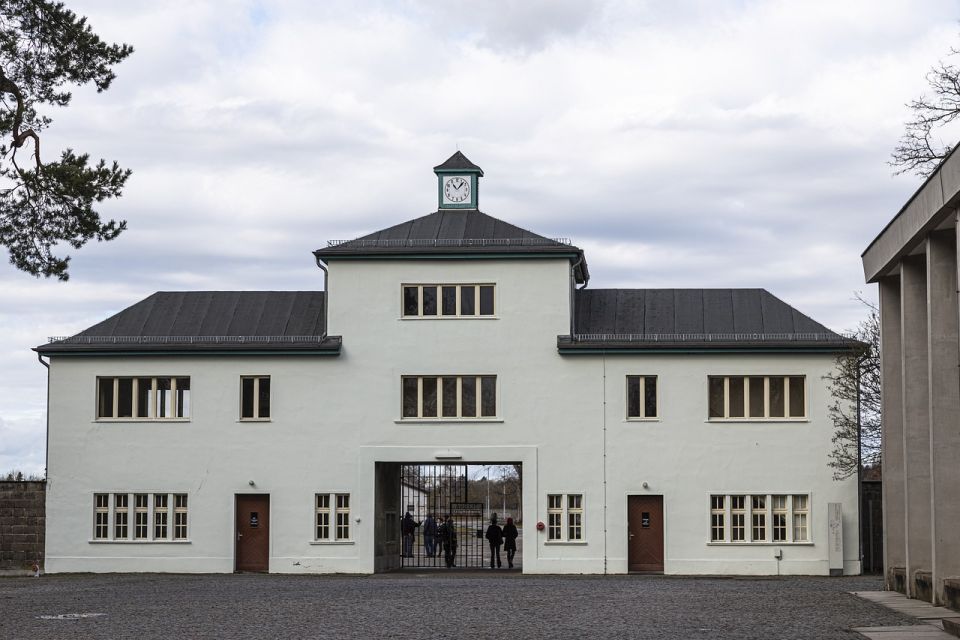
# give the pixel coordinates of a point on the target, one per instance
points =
(565, 517)
(729, 515)
(114, 519)
(332, 517)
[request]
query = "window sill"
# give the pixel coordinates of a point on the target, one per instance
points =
(331, 542)
(448, 318)
(447, 420)
(140, 420)
(139, 541)
(242, 420)
(760, 544)
(643, 420)
(565, 543)
(754, 420)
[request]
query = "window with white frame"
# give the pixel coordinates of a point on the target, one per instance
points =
(332, 517)
(447, 300)
(729, 515)
(642, 397)
(756, 397)
(448, 397)
(565, 508)
(138, 398)
(127, 516)
(254, 397)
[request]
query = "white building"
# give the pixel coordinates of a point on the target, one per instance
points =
(683, 431)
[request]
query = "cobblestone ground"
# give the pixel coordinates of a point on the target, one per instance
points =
(455, 606)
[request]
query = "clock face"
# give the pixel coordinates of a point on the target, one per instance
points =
(456, 189)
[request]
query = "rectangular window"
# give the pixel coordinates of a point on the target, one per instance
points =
(800, 512)
(756, 397)
(180, 516)
(758, 508)
(565, 517)
(255, 397)
(101, 516)
(143, 398)
(779, 518)
(141, 515)
(785, 514)
(718, 514)
(120, 514)
(738, 518)
(332, 517)
(448, 300)
(641, 397)
(160, 516)
(451, 397)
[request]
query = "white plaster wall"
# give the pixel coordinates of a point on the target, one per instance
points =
(333, 418)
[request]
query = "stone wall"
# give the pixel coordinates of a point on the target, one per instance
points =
(22, 518)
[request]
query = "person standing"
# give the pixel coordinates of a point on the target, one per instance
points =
(430, 536)
(495, 538)
(407, 528)
(449, 539)
(510, 534)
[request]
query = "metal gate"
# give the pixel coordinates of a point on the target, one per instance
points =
(440, 490)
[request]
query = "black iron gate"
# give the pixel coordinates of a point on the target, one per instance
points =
(438, 491)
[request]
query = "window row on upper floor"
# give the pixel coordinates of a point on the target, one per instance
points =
(448, 300)
(459, 397)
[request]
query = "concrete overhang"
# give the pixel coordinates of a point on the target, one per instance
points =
(932, 206)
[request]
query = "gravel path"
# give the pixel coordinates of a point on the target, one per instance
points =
(457, 606)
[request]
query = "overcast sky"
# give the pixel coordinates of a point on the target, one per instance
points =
(681, 144)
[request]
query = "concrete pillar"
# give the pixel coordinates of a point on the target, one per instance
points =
(891, 400)
(944, 368)
(916, 418)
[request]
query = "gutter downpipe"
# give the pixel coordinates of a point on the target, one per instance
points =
(573, 295)
(46, 453)
(326, 297)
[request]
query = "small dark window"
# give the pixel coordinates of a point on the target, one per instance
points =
(633, 396)
(488, 396)
(449, 397)
(468, 301)
(756, 397)
(125, 398)
(409, 397)
(105, 398)
(429, 397)
(264, 397)
(486, 300)
(429, 301)
(468, 397)
(797, 399)
(716, 397)
(449, 295)
(144, 387)
(736, 397)
(183, 397)
(246, 397)
(411, 301)
(777, 398)
(650, 397)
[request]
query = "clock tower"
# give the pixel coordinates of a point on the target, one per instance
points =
(457, 181)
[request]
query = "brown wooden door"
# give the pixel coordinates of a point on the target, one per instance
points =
(253, 533)
(645, 533)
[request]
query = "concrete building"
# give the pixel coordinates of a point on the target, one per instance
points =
(914, 262)
(682, 431)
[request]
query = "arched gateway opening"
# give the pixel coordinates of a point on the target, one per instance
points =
(450, 508)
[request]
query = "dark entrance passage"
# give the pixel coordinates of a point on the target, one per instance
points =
(469, 493)
(253, 533)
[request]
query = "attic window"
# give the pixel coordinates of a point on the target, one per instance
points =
(448, 300)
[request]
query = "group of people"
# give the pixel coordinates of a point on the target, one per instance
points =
(442, 535)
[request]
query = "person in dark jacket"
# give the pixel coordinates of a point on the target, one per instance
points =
(448, 536)
(495, 538)
(510, 534)
(407, 527)
(430, 536)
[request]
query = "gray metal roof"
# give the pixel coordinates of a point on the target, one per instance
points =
(458, 162)
(454, 233)
(698, 318)
(215, 321)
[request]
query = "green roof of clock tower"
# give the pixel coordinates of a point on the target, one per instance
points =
(458, 162)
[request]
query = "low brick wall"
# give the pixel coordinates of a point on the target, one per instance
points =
(22, 519)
